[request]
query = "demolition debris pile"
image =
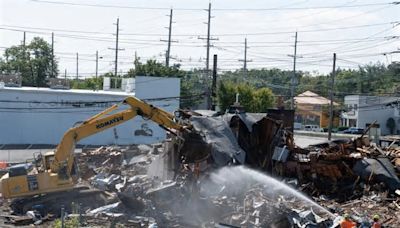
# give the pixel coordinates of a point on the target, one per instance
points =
(356, 177)
(253, 199)
(236, 196)
(173, 185)
(345, 176)
(343, 169)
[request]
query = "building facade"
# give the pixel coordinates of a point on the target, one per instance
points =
(312, 108)
(364, 110)
(31, 115)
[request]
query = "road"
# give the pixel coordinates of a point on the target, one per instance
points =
(15, 156)
(304, 140)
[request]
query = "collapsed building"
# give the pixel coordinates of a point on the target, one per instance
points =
(169, 184)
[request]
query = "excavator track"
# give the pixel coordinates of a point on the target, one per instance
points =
(53, 202)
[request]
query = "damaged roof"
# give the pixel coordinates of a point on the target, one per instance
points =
(249, 119)
(217, 133)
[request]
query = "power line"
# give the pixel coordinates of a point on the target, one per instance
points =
(347, 45)
(275, 32)
(57, 30)
(308, 14)
(219, 9)
(339, 19)
(31, 30)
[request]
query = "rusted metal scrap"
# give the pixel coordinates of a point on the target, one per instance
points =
(343, 167)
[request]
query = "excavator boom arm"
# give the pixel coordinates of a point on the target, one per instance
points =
(57, 170)
(163, 118)
(64, 152)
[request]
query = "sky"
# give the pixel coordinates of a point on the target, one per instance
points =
(358, 31)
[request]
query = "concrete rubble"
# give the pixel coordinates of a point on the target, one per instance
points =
(146, 200)
(160, 186)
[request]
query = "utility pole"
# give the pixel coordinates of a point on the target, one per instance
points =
(97, 63)
(65, 75)
(294, 74)
(208, 37)
(116, 53)
(244, 60)
(168, 54)
(331, 97)
(207, 73)
(24, 40)
(169, 41)
(52, 54)
(24, 49)
(136, 60)
(77, 66)
(214, 84)
(116, 49)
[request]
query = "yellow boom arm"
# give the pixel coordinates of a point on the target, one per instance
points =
(64, 153)
(58, 168)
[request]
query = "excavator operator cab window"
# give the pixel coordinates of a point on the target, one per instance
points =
(19, 170)
(49, 158)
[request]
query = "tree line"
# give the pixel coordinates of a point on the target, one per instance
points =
(257, 91)
(33, 61)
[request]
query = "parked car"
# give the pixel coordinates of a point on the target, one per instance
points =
(334, 130)
(354, 130)
(313, 128)
(297, 126)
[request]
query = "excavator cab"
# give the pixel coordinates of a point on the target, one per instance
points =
(42, 163)
(48, 159)
(57, 172)
(37, 160)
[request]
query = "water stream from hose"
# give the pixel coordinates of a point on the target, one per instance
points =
(238, 178)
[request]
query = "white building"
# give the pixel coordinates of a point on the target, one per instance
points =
(364, 110)
(31, 115)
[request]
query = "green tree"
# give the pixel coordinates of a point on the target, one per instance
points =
(154, 68)
(191, 88)
(33, 61)
(252, 99)
(264, 99)
(246, 96)
(88, 83)
(226, 95)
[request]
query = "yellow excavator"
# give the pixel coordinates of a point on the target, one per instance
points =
(56, 172)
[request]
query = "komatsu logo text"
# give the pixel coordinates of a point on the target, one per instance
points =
(110, 122)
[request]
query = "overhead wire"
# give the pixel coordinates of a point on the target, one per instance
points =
(215, 9)
(336, 49)
(152, 43)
